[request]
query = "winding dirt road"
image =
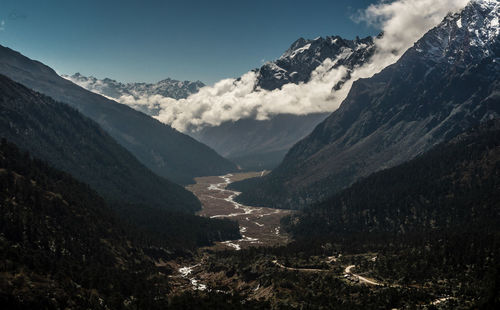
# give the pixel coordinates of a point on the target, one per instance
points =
(347, 271)
(361, 279)
(299, 269)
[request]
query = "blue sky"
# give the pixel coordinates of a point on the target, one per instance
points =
(186, 40)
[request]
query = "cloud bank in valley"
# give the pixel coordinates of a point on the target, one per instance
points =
(403, 23)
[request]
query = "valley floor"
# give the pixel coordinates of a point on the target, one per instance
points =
(259, 226)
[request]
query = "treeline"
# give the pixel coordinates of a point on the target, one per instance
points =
(60, 245)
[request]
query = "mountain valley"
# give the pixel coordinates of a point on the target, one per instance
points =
(355, 173)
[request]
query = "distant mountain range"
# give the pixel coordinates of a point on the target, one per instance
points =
(447, 82)
(113, 89)
(159, 147)
(397, 192)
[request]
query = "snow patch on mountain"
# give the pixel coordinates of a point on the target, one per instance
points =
(297, 51)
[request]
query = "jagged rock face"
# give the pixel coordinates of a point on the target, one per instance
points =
(300, 60)
(464, 38)
(448, 82)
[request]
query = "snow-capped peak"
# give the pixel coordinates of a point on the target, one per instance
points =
(167, 87)
(298, 62)
(486, 26)
(466, 36)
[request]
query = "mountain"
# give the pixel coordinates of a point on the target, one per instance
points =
(159, 147)
(62, 247)
(59, 240)
(447, 82)
(113, 89)
(262, 144)
(71, 142)
(452, 186)
(258, 145)
(434, 219)
(303, 56)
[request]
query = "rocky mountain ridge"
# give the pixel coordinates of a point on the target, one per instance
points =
(303, 56)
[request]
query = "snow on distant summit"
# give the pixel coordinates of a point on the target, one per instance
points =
(136, 94)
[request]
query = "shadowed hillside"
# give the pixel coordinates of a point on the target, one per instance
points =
(159, 147)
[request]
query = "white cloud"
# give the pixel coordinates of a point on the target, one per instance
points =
(2, 25)
(230, 100)
(403, 23)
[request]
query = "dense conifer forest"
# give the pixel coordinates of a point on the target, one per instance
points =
(62, 246)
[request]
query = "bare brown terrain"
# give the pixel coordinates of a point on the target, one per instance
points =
(259, 226)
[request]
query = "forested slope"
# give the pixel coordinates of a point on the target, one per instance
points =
(164, 150)
(69, 141)
(62, 247)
